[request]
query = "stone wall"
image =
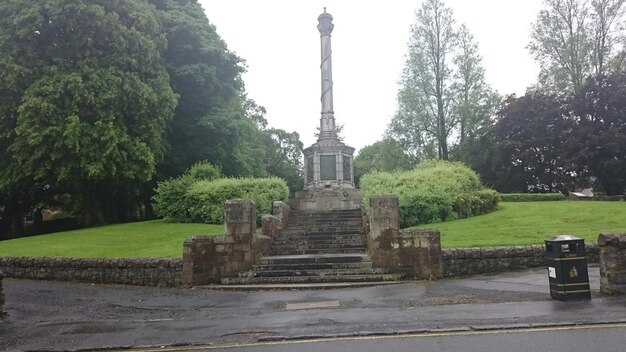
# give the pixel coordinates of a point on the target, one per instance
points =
(415, 253)
(612, 263)
(123, 271)
(208, 259)
(471, 261)
(1, 296)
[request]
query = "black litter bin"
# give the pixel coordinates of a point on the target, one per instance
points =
(567, 268)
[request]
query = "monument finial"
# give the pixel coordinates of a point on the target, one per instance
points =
(325, 25)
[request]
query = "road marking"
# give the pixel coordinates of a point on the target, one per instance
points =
(381, 337)
(312, 305)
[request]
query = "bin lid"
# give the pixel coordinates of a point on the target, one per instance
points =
(563, 238)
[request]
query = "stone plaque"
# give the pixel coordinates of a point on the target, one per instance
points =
(346, 169)
(328, 167)
(310, 169)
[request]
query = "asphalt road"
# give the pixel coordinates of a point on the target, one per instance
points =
(605, 338)
(70, 316)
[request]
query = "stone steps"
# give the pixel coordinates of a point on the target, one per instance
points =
(322, 250)
(314, 272)
(312, 266)
(316, 247)
(330, 244)
(308, 259)
(310, 279)
(316, 237)
(303, 230)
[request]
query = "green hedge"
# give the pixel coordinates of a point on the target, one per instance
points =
(531, 197)
(199, 195)
(206, 198)
(434, 191)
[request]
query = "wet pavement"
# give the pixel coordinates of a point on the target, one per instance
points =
(69, 316)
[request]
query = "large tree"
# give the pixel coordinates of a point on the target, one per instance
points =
(476, 103)
(85, 98)
(443, 95)
(575, 39)
(528, 153)
(597, 146)
(210, 121)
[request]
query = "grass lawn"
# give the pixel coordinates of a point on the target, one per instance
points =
(514, 224)
(139, 239)
(527, 223)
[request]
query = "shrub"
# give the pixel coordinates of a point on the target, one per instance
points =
(199, 195)
(170, 200)
(433, 191)
(420, 207)
(206, 199)
(531, 197)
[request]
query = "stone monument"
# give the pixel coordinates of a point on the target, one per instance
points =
(328, 163)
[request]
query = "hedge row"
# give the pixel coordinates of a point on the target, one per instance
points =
(434, 191)
(200, 193)
(531, 197)
(206, 199)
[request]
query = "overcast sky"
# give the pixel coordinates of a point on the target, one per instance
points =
(280, 43)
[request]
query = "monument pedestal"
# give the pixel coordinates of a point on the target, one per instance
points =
(329, 197)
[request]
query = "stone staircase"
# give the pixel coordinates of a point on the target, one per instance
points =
(316, 247)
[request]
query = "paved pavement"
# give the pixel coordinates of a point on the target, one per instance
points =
(67, 316)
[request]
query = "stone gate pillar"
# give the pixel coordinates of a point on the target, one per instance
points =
(415, 253)
(208, 259)
(382, 239)
(612, 263)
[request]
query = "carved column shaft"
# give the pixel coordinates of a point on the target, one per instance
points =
(327, 121)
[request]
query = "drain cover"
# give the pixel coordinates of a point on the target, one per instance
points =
(312, 305)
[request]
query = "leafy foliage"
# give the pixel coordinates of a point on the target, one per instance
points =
(575, 39)
(544, 143)
(597, 146)
(206, 198)
(433, 191)
(283, 157)
(190, 199)
(531, 197)
(385, 155)
(84, 100)
(171, 200)
(99, 100)
(443, 91)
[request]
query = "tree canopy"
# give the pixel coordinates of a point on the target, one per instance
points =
(576, 39)
(100, 99)
(443, 97)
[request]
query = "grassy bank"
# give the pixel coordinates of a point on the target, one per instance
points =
(140, 239)
(515, 223)
(523, 223)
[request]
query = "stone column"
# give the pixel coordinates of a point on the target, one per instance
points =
(612, 263)
(327, 121)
